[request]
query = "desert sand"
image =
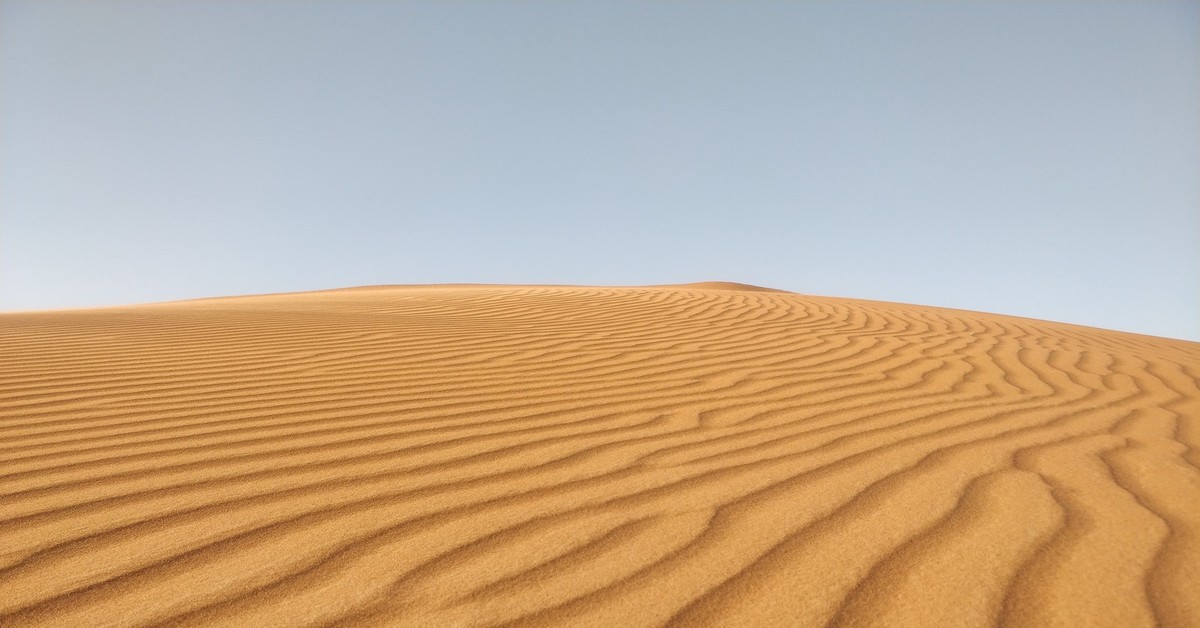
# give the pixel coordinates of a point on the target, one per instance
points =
(707, 454)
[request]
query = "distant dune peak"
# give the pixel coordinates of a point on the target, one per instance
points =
(700, 285)
(725, 285)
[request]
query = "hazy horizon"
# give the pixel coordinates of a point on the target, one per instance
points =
(1031, 159)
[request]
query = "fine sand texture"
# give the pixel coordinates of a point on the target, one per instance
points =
(698, 455)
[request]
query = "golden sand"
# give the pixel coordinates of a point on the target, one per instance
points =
(557, 456)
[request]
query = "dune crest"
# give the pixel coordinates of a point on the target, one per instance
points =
(721, 285)
(707, 454)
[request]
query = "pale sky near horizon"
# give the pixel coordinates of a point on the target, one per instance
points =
(1038, 159)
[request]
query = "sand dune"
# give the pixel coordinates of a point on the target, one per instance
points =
(710, 454)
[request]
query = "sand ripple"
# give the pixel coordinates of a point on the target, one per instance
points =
(550, 456)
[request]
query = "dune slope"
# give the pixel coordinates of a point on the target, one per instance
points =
(693, 455)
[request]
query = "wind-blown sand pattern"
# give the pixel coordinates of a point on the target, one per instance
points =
(556, 456)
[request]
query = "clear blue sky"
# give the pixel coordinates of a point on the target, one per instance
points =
(1031, 158)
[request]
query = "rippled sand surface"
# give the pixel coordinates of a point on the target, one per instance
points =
(699, 455)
